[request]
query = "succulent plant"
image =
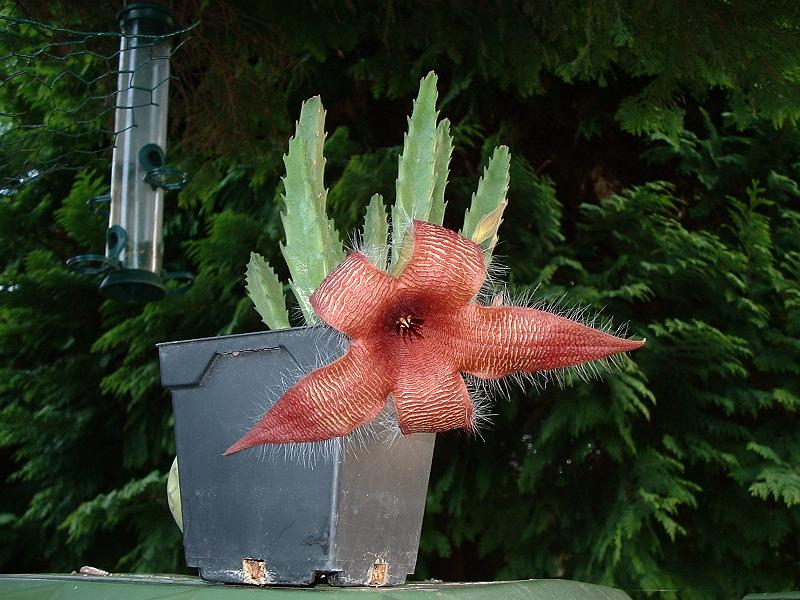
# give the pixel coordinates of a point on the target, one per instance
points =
(313, 246)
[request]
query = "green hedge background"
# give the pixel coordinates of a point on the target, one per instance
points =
(655, 174)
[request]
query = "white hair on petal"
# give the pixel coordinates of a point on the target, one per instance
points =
(295, 311)
(493, 284)
(373, 254)
(404, 219)
(404, 222)
(386, 426)
(383, 429)
(496, 270)
(355, 243)
(482, 404)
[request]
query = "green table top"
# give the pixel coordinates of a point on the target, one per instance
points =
(149, 587)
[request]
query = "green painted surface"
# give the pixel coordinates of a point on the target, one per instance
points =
(144, 587)
(776, 596)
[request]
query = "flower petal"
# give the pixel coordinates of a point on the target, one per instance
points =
(431, 400)
(497, 341)
(352, 296)
(329, 402)
(445, 266)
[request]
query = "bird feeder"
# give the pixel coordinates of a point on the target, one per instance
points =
(131, 267)
(139, 176)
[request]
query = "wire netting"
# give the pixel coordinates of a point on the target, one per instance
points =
(58, 96)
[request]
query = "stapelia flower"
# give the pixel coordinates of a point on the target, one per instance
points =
(412, 337)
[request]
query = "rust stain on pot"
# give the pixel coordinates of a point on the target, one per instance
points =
(254, 572)
(378, 573)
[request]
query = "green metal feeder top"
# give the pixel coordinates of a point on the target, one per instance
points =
(153, 19)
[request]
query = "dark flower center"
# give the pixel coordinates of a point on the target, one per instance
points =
(408, 326)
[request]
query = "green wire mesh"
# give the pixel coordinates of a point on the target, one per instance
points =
(57, 97)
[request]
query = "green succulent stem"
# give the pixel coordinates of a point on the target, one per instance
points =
(266, 292)
(376, 233)
(313, 247)
(485, 214)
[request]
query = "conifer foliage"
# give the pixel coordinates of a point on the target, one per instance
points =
(654, 174)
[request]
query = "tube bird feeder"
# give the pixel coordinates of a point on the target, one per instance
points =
(139, 176)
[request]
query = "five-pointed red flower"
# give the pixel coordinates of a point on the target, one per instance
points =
(412, 337)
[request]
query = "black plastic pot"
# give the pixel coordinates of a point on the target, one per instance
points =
(259, 518)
